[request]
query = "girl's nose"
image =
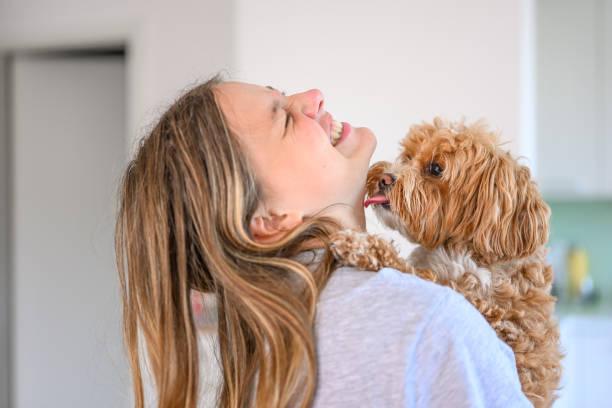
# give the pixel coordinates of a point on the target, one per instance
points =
(312, 102)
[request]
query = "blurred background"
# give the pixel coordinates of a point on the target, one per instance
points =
(82, 80)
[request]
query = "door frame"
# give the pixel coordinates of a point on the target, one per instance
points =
(5, 234)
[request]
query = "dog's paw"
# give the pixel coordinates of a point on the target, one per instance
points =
(358, 249)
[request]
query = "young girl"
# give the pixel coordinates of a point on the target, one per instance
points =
(235, 192)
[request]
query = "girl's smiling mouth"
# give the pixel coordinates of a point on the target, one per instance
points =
(339, 132)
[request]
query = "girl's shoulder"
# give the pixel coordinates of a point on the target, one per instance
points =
(400, 309)
(387, 304)
(397, 339)
(394, 303)
(386, 288)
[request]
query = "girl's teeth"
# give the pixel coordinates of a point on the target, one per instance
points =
(336, 132)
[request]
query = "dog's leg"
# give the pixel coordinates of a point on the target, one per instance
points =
(366, 251)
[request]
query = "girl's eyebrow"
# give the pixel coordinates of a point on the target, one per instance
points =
(274, 89)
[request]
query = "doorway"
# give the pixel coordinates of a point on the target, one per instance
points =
(65, 150)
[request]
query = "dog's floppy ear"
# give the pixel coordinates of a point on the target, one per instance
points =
(513, 217)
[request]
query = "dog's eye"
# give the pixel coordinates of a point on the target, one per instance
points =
(433, 169)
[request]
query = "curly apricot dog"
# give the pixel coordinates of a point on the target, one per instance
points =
(481, 226)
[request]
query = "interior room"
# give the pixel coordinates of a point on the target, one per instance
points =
(82, 82)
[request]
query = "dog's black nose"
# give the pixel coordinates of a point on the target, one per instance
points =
(386, 181)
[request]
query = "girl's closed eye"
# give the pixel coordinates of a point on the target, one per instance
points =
(288, 115)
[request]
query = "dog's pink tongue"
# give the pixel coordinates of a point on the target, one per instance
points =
(377, 199)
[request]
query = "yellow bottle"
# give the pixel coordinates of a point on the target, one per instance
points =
(578, 270)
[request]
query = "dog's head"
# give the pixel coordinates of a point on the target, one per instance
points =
(453, 186)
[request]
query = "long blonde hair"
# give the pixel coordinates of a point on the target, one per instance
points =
(185, 202)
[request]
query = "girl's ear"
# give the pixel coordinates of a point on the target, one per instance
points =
(268, 227)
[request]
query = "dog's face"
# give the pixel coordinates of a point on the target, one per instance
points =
(452, 186)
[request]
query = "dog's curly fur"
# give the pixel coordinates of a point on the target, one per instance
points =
(482, 227)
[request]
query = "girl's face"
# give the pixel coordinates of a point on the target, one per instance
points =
(287, 142)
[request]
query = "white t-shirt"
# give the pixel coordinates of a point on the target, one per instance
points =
(389, 339)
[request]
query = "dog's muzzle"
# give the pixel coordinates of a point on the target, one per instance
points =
(385, 182)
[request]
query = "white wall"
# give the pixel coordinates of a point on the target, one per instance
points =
(389, 64)
(574, 93)
(385, 64)
(607, 72)
(173, 45)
